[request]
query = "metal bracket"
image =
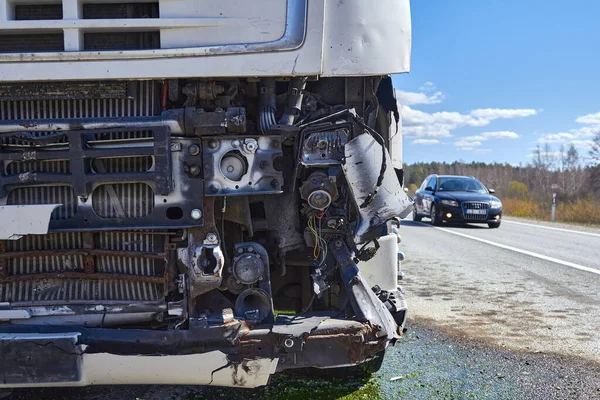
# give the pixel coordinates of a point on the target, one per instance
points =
(173, 159)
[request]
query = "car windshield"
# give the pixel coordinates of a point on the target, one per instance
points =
(459, 184)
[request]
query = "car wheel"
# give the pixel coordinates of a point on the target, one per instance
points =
(416, 216)
(435, 218)
(494, 224)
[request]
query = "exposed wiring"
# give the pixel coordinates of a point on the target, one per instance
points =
(316, 248)
(359, 121)
(322, 241)
(180, 323)
(320, 250)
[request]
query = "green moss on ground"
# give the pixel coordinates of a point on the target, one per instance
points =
(299, 389)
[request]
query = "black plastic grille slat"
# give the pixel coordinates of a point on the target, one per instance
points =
(36, 12)
(121, 41)
(120, 10)
(37, 43)
(476, 206)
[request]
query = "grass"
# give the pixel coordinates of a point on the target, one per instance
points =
(581, 211)
(282, 387)
(523, 208)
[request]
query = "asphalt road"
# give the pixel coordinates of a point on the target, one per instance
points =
(525, 286)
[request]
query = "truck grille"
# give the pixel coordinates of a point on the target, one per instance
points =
(35, 43)
(79, 30)
(120, 10)
(59, 268)
(84, 267)
(47, 195)
(37, 12)
(114, 102)
(475, 206)
(121, 41)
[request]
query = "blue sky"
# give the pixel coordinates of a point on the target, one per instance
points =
(491, 79)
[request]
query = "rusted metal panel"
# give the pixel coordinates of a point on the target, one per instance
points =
(88, 244)
(83, 252)
(83, 275)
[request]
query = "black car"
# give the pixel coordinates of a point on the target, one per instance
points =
(457, 199)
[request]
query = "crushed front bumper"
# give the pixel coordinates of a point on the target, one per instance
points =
(224, 355)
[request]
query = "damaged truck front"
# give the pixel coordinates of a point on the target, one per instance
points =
(198, 192)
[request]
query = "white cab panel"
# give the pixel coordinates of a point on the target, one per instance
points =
(207, 38)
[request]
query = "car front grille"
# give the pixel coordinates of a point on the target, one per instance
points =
(472, 205)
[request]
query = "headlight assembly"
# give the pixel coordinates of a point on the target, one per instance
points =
(451, 203)
(495, 204)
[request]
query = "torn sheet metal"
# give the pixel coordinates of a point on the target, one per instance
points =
(21, 220)
(362, 168)
(365, 303)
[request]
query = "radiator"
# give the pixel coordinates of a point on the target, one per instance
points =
(85, 267)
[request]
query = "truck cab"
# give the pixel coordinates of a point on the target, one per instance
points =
(198, 192)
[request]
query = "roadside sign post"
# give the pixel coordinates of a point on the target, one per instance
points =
(553, 207)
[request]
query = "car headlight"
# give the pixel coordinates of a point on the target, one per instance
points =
(495, 204)
(451, 203)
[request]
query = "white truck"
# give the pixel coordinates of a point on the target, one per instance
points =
(198, 191)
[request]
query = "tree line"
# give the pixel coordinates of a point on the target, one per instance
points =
(564, 172)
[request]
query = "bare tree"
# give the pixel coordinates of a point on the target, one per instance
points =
(572, 158)
(595, 148)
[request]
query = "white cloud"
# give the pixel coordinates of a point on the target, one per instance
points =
(589, 119)
(411, 98)
(428, 87)
(477, 140)
(560, 137)
(547, 154)
(586, 144)
(467, 142)
(579, 137)
(500, 135)
(421, 124)
(475, 137)
(416, 123)
(426, 141)
(497, 113)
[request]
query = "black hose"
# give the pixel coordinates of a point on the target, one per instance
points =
(294, 100)
(268, 105)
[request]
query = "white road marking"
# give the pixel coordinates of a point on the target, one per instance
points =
(526, 252)
(552, 228)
